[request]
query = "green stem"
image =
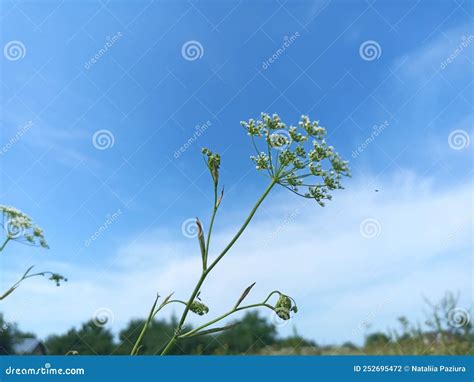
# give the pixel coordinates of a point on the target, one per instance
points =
(246, 223)
(145, 327)
(214, 212)
(185, 313)
(187, 334)
(24, 277)
(151, 316)
(4, 244)
(214, 263)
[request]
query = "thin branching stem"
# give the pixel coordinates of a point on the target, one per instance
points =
(232, 311)
(23, 278)
(204, 274)
(211, 224)
(5, 243)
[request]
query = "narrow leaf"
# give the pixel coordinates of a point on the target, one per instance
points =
(165, 301)
(213, 330)
(8, 292)
(202, 243)
(28, 271)
(152, 310)
(246, 292)
(220, 198)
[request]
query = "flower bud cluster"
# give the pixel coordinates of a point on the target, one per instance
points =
(284, 306)
(57, 278)
(198, 308)
(213, 162)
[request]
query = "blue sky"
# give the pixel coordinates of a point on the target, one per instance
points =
(150, 96)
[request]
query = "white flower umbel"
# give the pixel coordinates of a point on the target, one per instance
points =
(306, 163)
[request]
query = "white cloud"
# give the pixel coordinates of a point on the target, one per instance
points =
(454, 45)
(317, 255)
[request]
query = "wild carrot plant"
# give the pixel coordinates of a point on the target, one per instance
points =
(294, 157)
(19, 227)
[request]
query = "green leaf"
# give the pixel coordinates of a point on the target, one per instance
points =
(165, 301)
(244, 294)
(202, 242)
(8, 292)
(28, 271)
(213, 330)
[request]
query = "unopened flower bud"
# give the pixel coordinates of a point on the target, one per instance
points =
(199, 308)
(213, 163)
(57, 278)
(284, 306)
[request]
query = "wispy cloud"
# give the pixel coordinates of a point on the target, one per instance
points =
(340, 275)
(43, 138)
(433, 56)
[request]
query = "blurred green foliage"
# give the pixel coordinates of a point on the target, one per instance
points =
(443, 332)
